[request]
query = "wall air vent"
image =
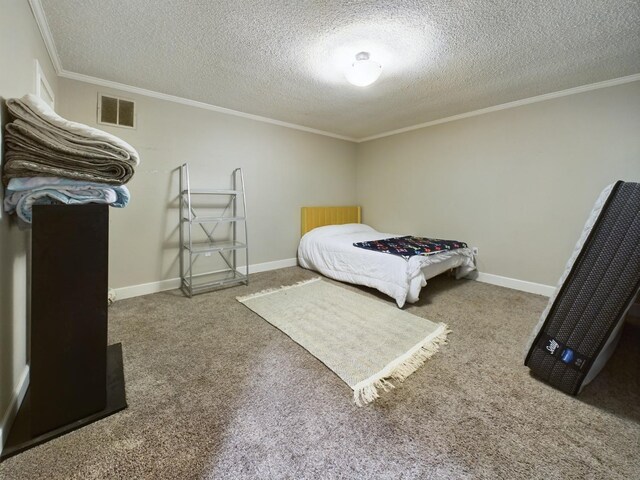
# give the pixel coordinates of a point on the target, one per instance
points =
(114, 111)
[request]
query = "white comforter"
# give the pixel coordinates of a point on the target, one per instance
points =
(330, 251)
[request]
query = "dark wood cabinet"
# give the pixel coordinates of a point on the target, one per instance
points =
(69, 266)
(75, 378)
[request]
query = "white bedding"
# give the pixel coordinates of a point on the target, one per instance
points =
(330, 251)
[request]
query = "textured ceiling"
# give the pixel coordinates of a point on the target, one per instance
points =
(284, 59)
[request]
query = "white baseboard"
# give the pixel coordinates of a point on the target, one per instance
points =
(146, 288)
(530, 287)
(266, 266)
(14, 405)
(173, 283)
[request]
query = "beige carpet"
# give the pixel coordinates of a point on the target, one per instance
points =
(370, 344)
(214, 392)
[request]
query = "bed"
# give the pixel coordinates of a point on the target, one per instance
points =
(326, 246)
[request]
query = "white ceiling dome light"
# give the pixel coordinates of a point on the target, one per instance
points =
(363, 71)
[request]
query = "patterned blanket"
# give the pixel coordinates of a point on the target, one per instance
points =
(409, 246)
(23, 193)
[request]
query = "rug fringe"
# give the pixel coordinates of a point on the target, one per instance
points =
(370, 389)
(277, 289)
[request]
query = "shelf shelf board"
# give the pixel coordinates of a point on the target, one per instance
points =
(211, 191)
(212, 281)
(208, 247)
(215, 219)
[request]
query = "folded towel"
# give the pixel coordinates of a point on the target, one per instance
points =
(22, 193)
(40, 142)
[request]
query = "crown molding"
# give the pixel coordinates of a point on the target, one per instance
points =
(517, 103)
(194, 103)
(45, 31)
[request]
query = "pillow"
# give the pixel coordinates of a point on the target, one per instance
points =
(331, 230)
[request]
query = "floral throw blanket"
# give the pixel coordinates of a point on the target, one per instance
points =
(409, 246)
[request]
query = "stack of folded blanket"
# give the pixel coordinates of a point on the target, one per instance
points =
(51, 160)
(22, 193)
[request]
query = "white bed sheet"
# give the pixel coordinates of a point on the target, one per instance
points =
(330, 251)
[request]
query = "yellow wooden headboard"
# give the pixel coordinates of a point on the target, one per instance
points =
(312, 217)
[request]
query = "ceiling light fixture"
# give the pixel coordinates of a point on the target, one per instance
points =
(363, 71)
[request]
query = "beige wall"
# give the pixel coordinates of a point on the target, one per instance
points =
(284, 170)
(20, 45)
(517, 183)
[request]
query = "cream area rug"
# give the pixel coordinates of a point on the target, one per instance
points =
(366, 342)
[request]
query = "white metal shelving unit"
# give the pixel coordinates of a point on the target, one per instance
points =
(233, 212)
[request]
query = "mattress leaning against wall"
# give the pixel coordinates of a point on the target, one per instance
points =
(581, 325)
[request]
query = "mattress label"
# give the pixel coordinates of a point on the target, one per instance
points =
(566, 355)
